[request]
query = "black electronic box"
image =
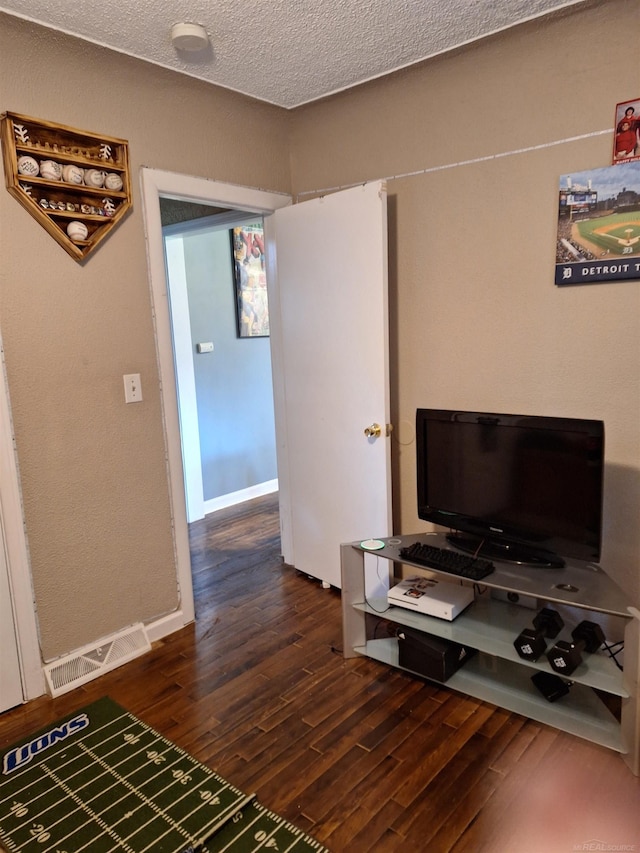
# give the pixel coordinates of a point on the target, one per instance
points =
(431, 656)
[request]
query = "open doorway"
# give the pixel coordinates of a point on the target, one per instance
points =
(223, 377)
(158, 185)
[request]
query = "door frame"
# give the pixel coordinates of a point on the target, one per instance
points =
(13, 540)
(185, 376)
(154, 184)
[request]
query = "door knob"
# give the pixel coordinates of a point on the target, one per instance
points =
(373, 431)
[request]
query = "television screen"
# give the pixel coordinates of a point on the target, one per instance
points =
(518, 488)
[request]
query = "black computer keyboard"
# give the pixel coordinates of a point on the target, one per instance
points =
(463, 565)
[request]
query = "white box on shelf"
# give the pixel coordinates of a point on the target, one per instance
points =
(434, 598)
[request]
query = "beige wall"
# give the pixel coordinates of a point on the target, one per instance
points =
(477, 321)
(476, 318)
(93, 469)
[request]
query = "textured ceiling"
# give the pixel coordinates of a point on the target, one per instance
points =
(286, 52)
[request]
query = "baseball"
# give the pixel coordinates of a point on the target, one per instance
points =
(94, 177)
(77, 231)
(51, 170)
(113, 181)
(72, 174)
(28, 166)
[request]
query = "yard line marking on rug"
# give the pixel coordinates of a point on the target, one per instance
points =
(250, 826)
(231, 810)
(101, 781)
(248, 833)
(148, 745)
(153, 756)
(97, 816)
(180, 777)
(30, 750)
(263, 838)
(107, 774)
(92, 817)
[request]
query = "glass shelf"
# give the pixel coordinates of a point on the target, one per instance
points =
(491, 626)
(509, 686)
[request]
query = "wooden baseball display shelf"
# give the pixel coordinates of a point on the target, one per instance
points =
(73, 182)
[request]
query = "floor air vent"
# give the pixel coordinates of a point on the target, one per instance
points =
(91, 661)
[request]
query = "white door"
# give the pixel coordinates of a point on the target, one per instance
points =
(328, 295)
(10, 683)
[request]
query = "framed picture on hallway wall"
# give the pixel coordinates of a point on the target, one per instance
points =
(252, 307)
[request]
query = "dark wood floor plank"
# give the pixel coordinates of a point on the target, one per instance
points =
(326, 791)
(461, 787)
(368, 810)
(362, 756)
(359, 720)
(379, 837)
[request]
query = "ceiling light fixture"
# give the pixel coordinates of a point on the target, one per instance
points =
(189, 37)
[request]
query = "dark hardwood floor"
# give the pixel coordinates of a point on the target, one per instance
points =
(363, 757)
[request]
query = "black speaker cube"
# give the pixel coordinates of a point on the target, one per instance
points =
(430, 656)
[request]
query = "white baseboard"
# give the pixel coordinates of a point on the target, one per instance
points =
(241, 496)
(166, 625)
(108, 653)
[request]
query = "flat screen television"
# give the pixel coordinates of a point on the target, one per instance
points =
(515, 488)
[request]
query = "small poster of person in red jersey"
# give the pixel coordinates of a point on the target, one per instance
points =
(626, 134)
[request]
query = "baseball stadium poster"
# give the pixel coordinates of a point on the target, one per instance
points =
(598, 235)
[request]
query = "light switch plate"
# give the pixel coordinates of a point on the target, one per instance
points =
(132, 388)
